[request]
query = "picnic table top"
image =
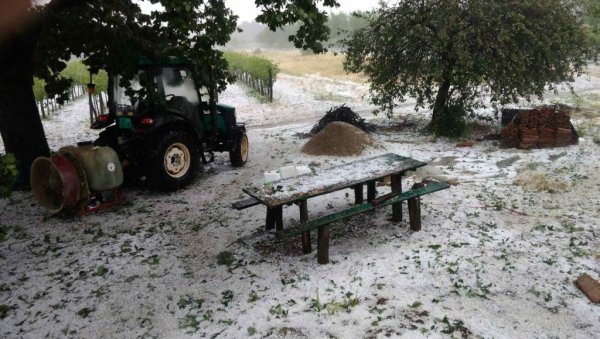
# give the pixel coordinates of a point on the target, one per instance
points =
(332, 179)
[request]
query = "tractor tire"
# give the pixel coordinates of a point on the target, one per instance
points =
(174, 161)
(239, 155)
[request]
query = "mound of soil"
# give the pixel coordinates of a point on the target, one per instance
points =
(338, 139)
(342, 114)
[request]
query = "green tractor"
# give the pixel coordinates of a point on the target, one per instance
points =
(162, 123)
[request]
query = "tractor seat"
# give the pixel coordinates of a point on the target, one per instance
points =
(179, 105)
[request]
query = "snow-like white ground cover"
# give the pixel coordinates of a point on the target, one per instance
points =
(494, 259)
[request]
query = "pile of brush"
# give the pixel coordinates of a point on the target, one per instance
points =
(342, 114)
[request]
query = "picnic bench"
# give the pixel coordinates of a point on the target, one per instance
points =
(354, 175)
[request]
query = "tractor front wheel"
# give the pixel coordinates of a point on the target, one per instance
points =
(174, 161)
(239, 155)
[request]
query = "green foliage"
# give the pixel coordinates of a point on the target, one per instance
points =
(257, 67)
(591, 12)
(312, 29)
(454, 55)
(8, 174)
(116, 34)
(38, 89)
(452, 124)
(76, 73)
(79, 73)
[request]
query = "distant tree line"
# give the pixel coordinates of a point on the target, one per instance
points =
(592, 20)
(341, 25)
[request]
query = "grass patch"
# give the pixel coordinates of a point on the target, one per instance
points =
(540, 182)
(326, 65)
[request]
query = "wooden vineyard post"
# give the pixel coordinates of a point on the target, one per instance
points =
(42, 109)
(323, 244)
(304, 218)
(101, 103)
(270, 89)
(397, 188)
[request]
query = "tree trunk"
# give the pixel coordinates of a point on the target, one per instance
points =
(20, 124)
(441, 101)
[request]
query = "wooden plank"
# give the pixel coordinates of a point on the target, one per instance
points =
(327, 219)
(333, 179)
(303, 220)
(246, 203)
(590, 287)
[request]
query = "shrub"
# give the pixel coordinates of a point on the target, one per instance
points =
(8, 174)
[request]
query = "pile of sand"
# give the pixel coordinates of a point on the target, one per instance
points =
(338, 139)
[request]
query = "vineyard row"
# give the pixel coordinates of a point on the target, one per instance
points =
(256, 72)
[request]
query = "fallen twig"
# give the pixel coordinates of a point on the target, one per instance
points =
(508, 209)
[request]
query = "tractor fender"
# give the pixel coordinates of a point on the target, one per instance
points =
(236, 134)
(164, 122)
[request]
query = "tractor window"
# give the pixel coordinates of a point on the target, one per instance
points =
(123, 101)
(179, 83)
(179, 90)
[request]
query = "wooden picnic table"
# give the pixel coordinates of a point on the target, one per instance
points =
(354, 175)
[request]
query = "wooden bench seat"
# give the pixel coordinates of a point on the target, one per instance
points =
(246, 203)
(321, 223)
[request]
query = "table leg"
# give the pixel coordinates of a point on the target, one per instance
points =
(270, 223)
(279, 218)
(371, 191)
(397, 188)
(414, 214)
(359, 194)
(323, 244)
(304, 218)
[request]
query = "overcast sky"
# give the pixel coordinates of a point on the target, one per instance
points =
(247, 11)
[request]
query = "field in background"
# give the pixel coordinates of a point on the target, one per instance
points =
(296, 63)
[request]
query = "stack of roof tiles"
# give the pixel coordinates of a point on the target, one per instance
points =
(539, 128)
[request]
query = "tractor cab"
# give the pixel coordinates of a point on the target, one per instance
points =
(161, 122)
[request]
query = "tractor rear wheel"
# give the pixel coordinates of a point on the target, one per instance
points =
(174, 161)
(239, 155)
